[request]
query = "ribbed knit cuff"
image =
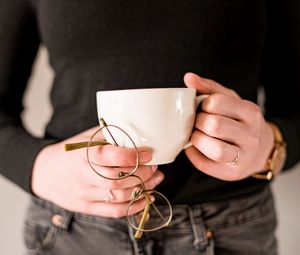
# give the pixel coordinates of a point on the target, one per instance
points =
(17, 156)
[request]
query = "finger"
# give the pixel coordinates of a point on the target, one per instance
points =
(227, 172)
(111, 155)
(213, 148)
(143, 172)
(95, 193)
(113, 210)
(221, 127)
(113, 173)
(231, 107)
(207, 86)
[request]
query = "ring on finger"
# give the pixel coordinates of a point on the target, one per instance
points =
(109, 196)
(236, 158)
(136, 192)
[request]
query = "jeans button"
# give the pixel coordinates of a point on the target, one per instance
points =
(209, 234)
(57, 220)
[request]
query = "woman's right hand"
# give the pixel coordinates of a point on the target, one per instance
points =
(66, 179)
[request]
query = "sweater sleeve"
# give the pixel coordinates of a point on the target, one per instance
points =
(19, 41)
(280, 73)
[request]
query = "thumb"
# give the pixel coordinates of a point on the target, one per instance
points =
(206, 86)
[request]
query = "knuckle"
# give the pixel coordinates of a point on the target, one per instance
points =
(122, 160)
(91, 156)
(209, 104)
(100, 153)
(153, 182)
(234, 174)
(219, 153)
(126, 158)
(217, 97)
(255, 111)
(213, 102)
(213, 125)
(124, 196)
(233, 93)
(115, 158)
(95, 155)
(145, 172)
(114, 184)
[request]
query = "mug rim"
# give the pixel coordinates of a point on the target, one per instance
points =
(145, 89)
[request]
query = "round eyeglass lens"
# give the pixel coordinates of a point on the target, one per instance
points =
(157, 212)
(117, 137)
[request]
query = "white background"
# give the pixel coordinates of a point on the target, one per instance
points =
(38, 110)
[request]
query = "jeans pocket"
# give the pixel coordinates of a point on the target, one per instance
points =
(244, 226)
(39, 231)
(38, 237)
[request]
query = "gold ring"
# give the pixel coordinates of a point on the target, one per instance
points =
(237, 156)
(109, 197)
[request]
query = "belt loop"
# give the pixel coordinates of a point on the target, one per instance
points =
(201, 241)
(211, 247)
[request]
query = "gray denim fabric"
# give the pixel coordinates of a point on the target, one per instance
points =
(239, 226)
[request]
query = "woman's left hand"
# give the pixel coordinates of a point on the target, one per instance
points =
(231, 139)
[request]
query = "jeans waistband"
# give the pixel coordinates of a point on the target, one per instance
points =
(196, 214)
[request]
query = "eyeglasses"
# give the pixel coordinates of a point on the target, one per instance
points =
(152, 217)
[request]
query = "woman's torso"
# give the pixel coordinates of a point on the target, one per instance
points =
(103, 45)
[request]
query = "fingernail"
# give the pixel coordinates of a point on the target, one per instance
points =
(188, 76)
(145, 156)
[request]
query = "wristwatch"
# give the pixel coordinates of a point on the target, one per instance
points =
(276, 160)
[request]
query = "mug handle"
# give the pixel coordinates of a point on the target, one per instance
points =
(199, 100)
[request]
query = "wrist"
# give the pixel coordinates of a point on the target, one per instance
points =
(277, 156)
(270, 142)
(41, 163)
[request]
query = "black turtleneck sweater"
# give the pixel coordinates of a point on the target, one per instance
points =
(104, 45)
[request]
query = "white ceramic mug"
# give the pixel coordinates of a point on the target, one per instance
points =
(161, 118)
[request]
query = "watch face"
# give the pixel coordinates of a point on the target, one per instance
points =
(278, 159)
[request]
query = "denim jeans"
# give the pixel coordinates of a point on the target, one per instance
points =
(243, 225)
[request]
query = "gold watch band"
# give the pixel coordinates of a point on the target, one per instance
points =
(269, 175)
(272, 169)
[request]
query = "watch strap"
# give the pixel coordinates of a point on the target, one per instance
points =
(278, 141)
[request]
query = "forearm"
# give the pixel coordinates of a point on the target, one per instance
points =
(280, 74)
(290, 129)
(18, 150)
(19, 42)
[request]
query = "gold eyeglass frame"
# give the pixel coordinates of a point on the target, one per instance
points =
(122, 175)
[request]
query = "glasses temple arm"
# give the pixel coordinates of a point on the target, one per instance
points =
(80, 145)
(138, 234)
(154, 206)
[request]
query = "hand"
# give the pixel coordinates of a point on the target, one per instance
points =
(65, 178)
(228, 128)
